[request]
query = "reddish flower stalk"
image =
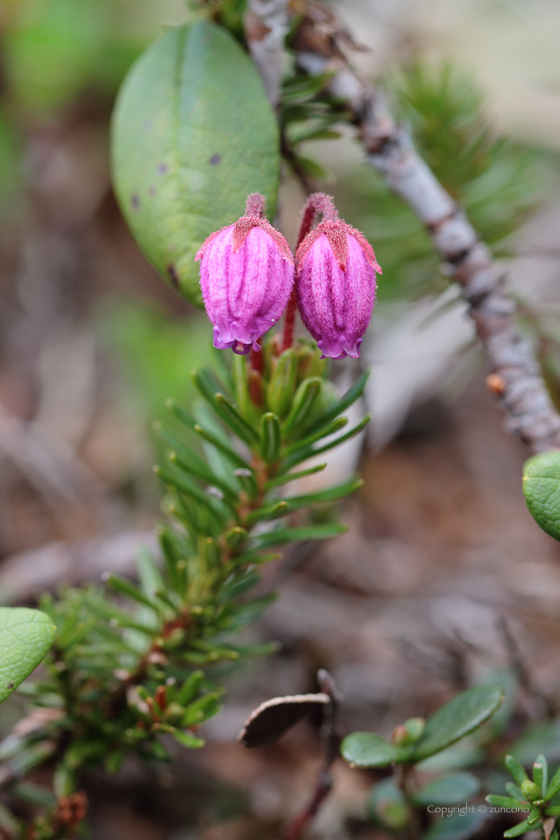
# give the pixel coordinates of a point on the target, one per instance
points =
(257, 360)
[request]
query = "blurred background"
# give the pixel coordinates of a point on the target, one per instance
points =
(409, 606)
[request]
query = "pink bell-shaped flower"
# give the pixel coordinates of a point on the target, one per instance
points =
(335, 270)
(246, 277)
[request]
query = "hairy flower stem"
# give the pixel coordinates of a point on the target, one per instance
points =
(255, 205)
(257, 360)
(290, 322)
(316, 204)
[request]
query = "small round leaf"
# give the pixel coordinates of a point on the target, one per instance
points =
(458, 826)
(453, 789)
(541, 487)
(366, 749)
(387, 806)
(25, 638)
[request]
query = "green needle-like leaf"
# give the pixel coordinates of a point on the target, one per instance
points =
(235, 538)
(271, 437)
(554, 786)
(180, 414)
(285, 479)
(187, 739)
(210, 389)
(204, 474)
(25, 638)
(281, 386)
(515, 791)
(332, 494)
(333, 427)
(268, 514)
(516, 770)
(173, 553)
(534, 816)
(283, 536)
(221, 446)
(235, 421)
(311, 452)
(540, 772)
(182, 483)
(123, 586)
(349, 398)
(518, 829)
(304, 400)
(503, 801)
(190, 688)
(207, 385)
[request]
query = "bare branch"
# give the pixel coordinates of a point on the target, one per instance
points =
(266, 24)
(26, 574)
(515, 373)
(56, 471)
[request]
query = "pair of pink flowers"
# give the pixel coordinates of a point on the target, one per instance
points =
(248, 274)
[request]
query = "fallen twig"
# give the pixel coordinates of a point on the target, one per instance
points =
(25, 574)
(331, 740)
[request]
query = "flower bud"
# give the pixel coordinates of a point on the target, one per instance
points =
(335, 269)
(246, 277)
(530, 790)
(409, 732)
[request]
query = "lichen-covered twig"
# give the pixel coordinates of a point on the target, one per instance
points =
(265, 30)
(515, 373)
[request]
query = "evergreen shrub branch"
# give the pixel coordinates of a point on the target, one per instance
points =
(132, 663)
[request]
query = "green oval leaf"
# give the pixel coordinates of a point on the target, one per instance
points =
(458, 826)
(387, 805)
(453, 789)
(25, 638)
(457, 718)
(540, 772)
(193, 134)
(541, 488)
(506, 802)
(517, 830)
(517, 771)
(366, 749)
(540, 737)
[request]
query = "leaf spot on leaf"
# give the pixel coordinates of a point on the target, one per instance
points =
(215, 160)
(173, 276)
(135, 201)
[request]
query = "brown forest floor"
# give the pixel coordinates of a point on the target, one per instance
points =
(403, 610)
